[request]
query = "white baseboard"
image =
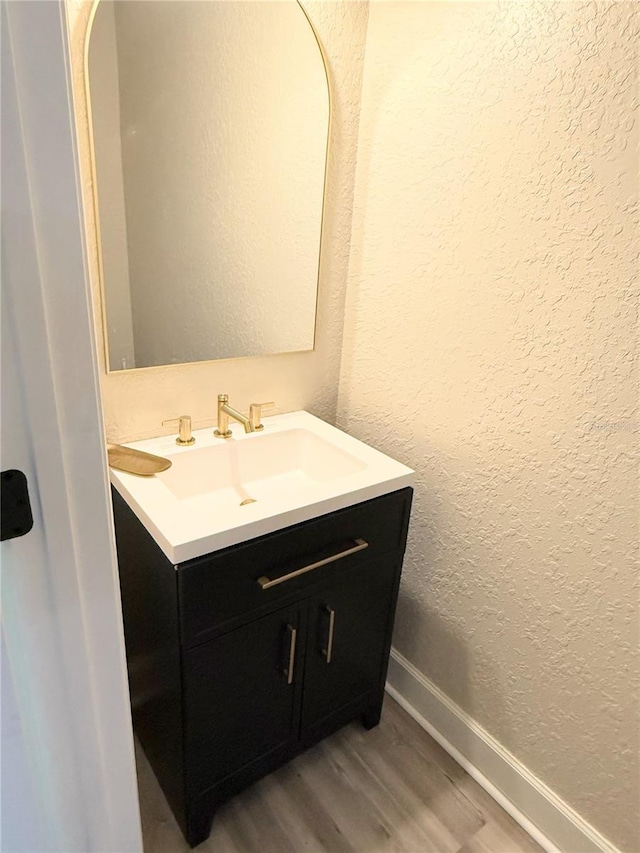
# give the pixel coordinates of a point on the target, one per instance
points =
(548, 819)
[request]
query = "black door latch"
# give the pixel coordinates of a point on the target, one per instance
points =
(15, 508)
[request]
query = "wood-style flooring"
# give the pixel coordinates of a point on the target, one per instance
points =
(389, 790)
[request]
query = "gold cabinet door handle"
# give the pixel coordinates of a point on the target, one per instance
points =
(293, 637)
(266, 583)
(328, 651)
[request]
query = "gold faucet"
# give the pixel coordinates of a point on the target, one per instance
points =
(224, 413)
(184, 429)
(255, 414)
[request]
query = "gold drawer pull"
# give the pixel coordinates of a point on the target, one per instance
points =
(267, 583)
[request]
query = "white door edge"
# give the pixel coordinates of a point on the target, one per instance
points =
(64, 624)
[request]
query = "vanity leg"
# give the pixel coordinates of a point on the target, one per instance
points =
(371, 717)
(199, 824)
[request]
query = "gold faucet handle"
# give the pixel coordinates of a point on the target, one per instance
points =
(184, 429)
(255, 413)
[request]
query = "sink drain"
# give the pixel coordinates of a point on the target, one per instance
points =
(248, 501)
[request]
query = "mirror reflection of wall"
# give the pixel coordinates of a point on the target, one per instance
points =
(210, 125)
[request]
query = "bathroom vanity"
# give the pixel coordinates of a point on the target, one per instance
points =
(243, 656)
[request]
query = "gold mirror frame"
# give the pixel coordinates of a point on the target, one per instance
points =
(96, 210)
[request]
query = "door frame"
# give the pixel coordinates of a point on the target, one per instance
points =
(46, 284)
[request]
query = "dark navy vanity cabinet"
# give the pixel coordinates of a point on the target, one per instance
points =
(238, 661)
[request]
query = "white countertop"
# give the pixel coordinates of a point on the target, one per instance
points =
(296, 469)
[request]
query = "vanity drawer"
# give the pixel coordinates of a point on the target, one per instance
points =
(215, 590)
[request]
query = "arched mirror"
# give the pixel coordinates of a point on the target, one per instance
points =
(209, 125)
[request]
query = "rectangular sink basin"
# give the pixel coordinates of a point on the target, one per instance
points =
(220, 492)
(280, 462)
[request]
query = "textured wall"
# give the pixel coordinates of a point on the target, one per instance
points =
(489, 344)
(136, 401)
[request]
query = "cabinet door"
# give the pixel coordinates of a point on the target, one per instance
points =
(349, 628)
(241, 694)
